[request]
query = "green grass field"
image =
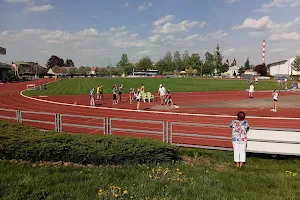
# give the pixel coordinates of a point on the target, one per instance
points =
(84, 85)
(205, 174)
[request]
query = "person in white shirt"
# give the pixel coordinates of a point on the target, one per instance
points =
(162, 93)
(138, 97)
(251, 90)
(285, 83)
(275, 99)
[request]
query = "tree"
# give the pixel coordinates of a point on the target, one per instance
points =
(69, 63)
(196, 62)
(185, 60)
(168, 61)
(247, 64)
(224, 68)
(261, 69)
(56, 70)
(124, 64)
(144, 64)
(208, 66)
(82, 70)
(160, 65)
(55, 61)
(218, 59)
(73, 71)
(296, 64)
(189, 71)
(241, 70)
(177, 61)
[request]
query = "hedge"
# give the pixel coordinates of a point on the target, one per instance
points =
(31, 144)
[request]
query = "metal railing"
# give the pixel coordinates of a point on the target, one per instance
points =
(160, 132)
(97, 120)
(15, 113)
(199, 135)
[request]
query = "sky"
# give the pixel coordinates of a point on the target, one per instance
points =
(98, 32)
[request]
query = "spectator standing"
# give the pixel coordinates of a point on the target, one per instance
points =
(240, 128)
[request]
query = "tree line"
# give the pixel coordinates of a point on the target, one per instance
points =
(171, 63)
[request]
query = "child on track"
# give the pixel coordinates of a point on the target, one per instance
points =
(120, 99)
(251, 90)
(131, 95)
(114, 91)
(169, 98)
(275, 99)
(92, 98)
(138, 97)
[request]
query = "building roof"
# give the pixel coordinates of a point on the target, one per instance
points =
(281, 61)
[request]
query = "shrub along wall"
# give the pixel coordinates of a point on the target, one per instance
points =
(27, 143)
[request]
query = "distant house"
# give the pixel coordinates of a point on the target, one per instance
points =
(93, 71)
(233, 70)
(28, 69)
(251, 72)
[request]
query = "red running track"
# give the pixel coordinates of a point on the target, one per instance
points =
(10, 98)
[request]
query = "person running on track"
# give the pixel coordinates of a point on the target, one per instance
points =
(138, 97)
(120, 99)
(162, 93)
(169, 98)
(92, 98)
(114, 91)
(275, 99)
(251, 90)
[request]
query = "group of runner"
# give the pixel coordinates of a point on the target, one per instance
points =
(117, 94)
(274, 95)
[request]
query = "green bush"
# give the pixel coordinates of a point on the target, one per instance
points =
(27, 143)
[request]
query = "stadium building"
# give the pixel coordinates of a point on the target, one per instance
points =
(282, 68)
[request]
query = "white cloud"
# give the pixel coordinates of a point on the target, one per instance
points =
(120, 28)
(282, 3)
(163, 20)
(177, 28)
(161, 39)
(216, 35)
(231, 1)
(30, 5)
(229, 52)
(285, 36)
(278, 50)
(126, 4)
(144, 52)
(265, 23)
(193, 37)
(256, 34)
(145, 6)
(39, 8)
(89, 32)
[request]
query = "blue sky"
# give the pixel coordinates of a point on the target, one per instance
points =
(97, 32)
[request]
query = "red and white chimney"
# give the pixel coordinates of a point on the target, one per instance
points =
(263, 51)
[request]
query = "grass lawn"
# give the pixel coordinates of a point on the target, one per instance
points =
(205, 174)
(84, 85)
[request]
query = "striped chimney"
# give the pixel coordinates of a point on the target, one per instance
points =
(263, 51)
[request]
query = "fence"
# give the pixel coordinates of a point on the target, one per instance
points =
(198, 135)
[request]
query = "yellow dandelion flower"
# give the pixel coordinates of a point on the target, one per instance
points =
(150, 176)
(131, 197)
(179, 173)
(125, 192)
(116, 195)
(177, 169)
(152, 169)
